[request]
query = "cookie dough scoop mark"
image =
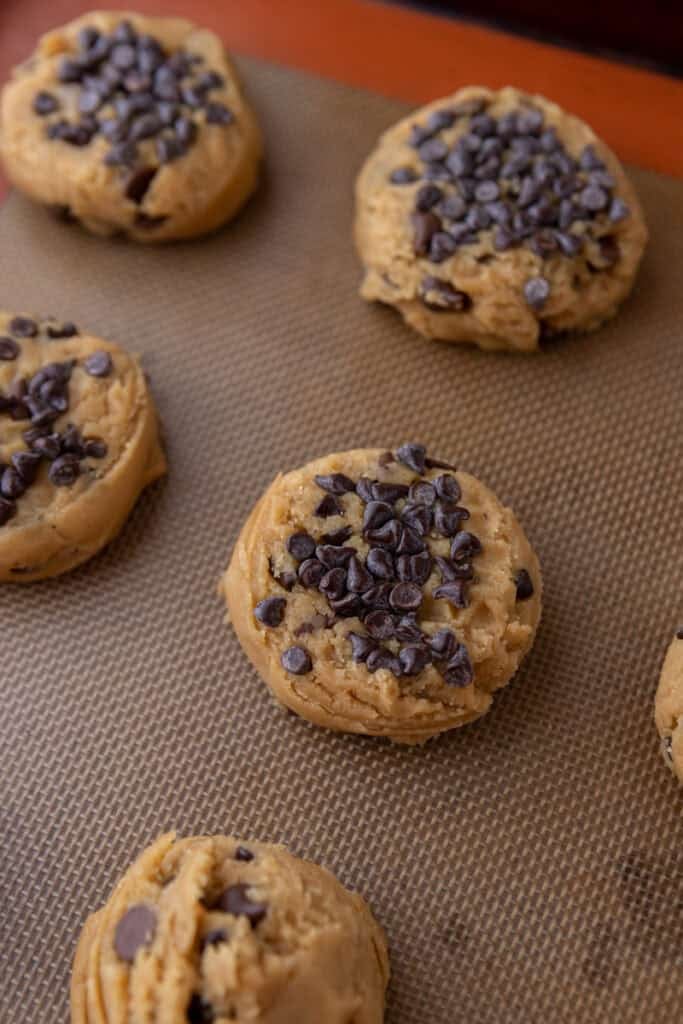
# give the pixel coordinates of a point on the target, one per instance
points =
(308, 949)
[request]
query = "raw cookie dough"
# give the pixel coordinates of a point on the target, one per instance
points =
(78, 442)
(211, 930)
(383, 593)
(499, 219)
(131, 124)
(669, 706)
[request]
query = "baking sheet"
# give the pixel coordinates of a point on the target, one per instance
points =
(526, 868)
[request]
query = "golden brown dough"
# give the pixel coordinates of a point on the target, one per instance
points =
(669, 706)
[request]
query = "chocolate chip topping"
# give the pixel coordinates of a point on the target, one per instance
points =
(524, 584)
(23, 327)
(301, 546)
(236, 902)
(679, 633)
(271, 611)
(9, 349)
(198, 1011)
(135, 929)
(536, 292)
(336, 483)
(129, 89)
(243, 854)
(510, 176)
(99, 364)
(296, 660)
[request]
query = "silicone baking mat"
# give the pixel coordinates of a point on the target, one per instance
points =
(528, 868)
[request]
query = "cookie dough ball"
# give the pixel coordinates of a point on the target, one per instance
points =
(211, 930)
(669, 706)
(131, 124)
(78, 442)
(383, 593)
(499, 219)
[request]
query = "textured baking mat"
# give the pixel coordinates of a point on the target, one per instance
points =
(528, 868)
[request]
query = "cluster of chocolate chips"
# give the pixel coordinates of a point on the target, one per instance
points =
(511, 176)
(42, 399)
(385, 590)
(131, 89)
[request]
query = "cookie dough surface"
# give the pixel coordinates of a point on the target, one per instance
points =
(669, 706)
(131, 124)
(78, 442)
(383, 593)
(211, 930)
(497, 218)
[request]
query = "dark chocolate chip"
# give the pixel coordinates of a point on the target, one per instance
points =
(426, 197)
(94, 448)
(425, 226)
(358, 578)
(7, 510)
(441, 246)
(335, 483)
(455, 592)
(301, 546)
(418, 569)
(235, 900)
(332, 557)
(99, 364)
(452, 570)
(441, 296)
(418, 517)
(594, 198)
(379, 625)
(414, 658)
(465, 546)
(45, 103)
(447, 519)
(214, 938)
(389, 493)
(185, 130)
(11, 484)
(26, 465)
(387, 536)
(524, 584)
(218, 113)
(407, 630)
(403, 176)
(364, 489)
(311, 572)
(452, 207)
(65, 470)
(447, 488)
(23, 327)
(381, 658)
(443, 644)
(459, 671)
(410, 542)
(376, 514)
(123, 56)
(198, 1011)
(48, 446)
(124, 153)
(380, 563)
(405, 597)
(243, 854)
(432, 149)
(139, 183)
(618, 210)
(296, 660)
(168, 150)
(589, 160)
(536, 292)
(337, 537)
(270, 611)
(135, 930)
(347, 606)
(361, 646)
(333, 584)
(9, 349)
(413, 456)
(679, 633)
(65, 330)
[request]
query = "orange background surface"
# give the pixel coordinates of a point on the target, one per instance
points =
(411, 56)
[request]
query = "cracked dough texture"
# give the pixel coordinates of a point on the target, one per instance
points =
(499, 317)
(57, 528)
(339, 693)
(197, 192)
(669, 706)
(317, 957)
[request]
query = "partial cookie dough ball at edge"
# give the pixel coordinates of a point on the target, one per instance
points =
(669, 706)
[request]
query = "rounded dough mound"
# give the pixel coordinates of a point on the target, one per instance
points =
(477, 293)
(50, 528)
(294, 947)
(203, 185)
(669, 706)
(494, 631)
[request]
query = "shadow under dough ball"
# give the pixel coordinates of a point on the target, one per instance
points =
(131, 125)
(497, 218)
(383, 593)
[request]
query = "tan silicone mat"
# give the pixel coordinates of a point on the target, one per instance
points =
(528, 868)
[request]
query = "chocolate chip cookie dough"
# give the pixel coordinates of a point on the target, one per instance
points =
(499, 219)
(78, 442)
(669, 706)
(384, 593)
(211, 929)
(131, 124)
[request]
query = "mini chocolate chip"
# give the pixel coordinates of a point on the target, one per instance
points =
(589, 160)
(425, 226)
(432, 149)
(455, 592)
(361, 646)
(418, 517)
(198, 1011)
(185, 130)
(26, 465)
(48, 446)
(135, 929)
(459, 671)
(9, 349)
(594, 198)
(243, 854)
(296, 660)
(69, 70)
(311, 572)
(389, 493)
(333, 584)
(99, 364)
(465, 547)
(94, 448)
(123, 56)
(379, 625)
(65, 470)
(536, 292)
(444, 644)
(23, 327)
(71, 440)
(7, 510)
(335, 483)
(333, 557)
(618, 210)
(414, 658)
(11, 484)
(441, 246)
(139, 183)
(377, 596)
(381, 658)
(270, 611)
(405, 597)
(358, 578)
(524, 584)
(301, 546)
(337, 537)
(376, 514)
(218, 113)
(403, 176)
(426, 197)
(387, 536)
(45, 103)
